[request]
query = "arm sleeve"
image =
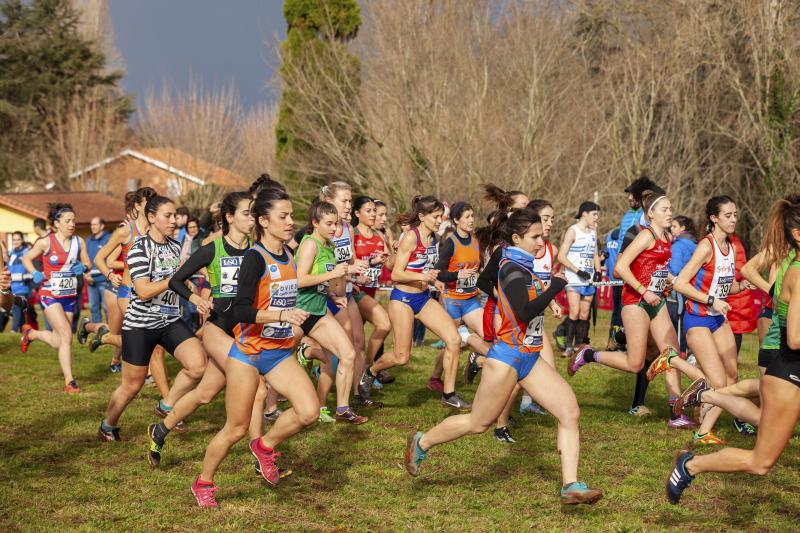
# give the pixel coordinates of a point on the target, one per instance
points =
(201, 258)
(488, 277)
(514, 281)
(446, 249)
(249, 276)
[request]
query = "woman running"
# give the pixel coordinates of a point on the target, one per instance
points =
(153, 316)
(643, 268)
(458, 265)
(706, 281)
(514, 359)
(222, 259)
(320, 280)
(371, 247)
(340, 194)
(64, 259)
(780, 387)
(267, 330)
(582, 262)
(412, 273)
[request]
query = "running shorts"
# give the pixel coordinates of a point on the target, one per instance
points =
(521, 362)
(263, 361)
(138, 344)
(415, 300)
(713, 323)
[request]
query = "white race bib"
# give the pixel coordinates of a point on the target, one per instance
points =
(658, 282)
(63, 284)
(724, 284)
(467, 284)
(283, 296)
(166, 304)
(229, 274)
(533, 335)
(342, 250)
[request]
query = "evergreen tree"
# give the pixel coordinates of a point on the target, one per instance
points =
(43, 62)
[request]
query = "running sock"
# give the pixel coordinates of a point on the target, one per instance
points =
(590, 356)
(569, 335)
(419, 448)
(262, 448)
(106, 427)
(448, 395)
(640, 389)
(379, 353)
(203, 483)
(581, 330)
(370, 374)
(164, 407)
(160, 432)
(341, 410)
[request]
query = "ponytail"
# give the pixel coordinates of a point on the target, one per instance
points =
(421, 205)
(503, 199)
(784, 217)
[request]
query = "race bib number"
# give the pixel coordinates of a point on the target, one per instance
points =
(587, 262)
(166, 304)
(533, 335)
(63, 284)
(229, 274)
(433, 257)
(342, 250)
(467, 284)
(283, 296)
(658, 282)
(724, 287)
(371, 276)
(544, 277)
(322, 288)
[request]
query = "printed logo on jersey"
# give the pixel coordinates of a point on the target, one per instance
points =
(274, 271)
(54, 259)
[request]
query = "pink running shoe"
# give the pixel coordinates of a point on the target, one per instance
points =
(266, 462)
(436, 385)
(682, 422)
(204, 494)
(576, 360)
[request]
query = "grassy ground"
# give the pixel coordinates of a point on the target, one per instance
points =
(54, 474)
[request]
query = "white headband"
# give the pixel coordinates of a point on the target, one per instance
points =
(649, 211)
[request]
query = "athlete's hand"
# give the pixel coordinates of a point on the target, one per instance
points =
(651, 298)
(295, 316)
(339, 270)
(557, 311)
(464, 274)
(439, 285)
(358, 267)
(721, 306)
(598, 276)
(37, 277)
(203, 306)
(78, 269)
(5, 280)
(585, 276)
(115, 279)
(431, 276)
(745, 285)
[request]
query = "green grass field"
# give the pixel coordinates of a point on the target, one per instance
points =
(55, 474)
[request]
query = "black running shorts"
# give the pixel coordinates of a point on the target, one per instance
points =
(310, 322)
(138, 344)
(785, 365)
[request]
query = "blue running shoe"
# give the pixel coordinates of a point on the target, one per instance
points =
(377, 384)
(531, 408)
(315, 373)
(577, 492)
(414, 454)
(438, 345)
(679, 479)
(745, 428)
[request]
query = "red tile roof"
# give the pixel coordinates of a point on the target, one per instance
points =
(87, 205)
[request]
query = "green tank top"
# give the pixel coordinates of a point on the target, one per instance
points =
(315, 299)
(223, 271)
(780, 309)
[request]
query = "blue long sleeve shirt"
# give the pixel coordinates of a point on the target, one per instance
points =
(683, 247)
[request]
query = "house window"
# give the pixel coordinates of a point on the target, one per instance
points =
(174, 187)
(90, 184)
(132, 184)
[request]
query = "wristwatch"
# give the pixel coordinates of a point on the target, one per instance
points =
(710, 300)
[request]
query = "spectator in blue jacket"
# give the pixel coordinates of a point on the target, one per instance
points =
(684, 242)
(19, 286)
(97, 240)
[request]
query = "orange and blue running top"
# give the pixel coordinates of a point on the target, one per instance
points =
(715, 278)
(276, 290)
(464, 256)
(527, 337)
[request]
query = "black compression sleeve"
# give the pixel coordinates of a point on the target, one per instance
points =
(514, 280)
(198, 260)
(488, 278)
(249, 277)
(446, 249)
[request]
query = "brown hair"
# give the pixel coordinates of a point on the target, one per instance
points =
(503, 199)
(421, 205)
(783, 218)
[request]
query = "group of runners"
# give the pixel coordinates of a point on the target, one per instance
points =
(274, 300)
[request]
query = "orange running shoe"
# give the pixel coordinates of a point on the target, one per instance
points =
(72, 387)
(708, 439)
(26, 340)
(661, 364)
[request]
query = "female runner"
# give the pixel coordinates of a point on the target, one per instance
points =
(706, 281)
(321, 279)
(122, 239)
(413, 271)
(340, 194)
(267, 330)
(643, 268)
(65, 259)
(370, 247)
(780, 387)
(514, 359)
(153, 316)
(222, 259)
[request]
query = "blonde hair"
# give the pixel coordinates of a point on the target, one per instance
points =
(329, 191)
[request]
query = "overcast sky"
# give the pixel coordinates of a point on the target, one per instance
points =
(214, 41)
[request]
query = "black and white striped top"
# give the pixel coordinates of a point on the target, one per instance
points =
(153, 261)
